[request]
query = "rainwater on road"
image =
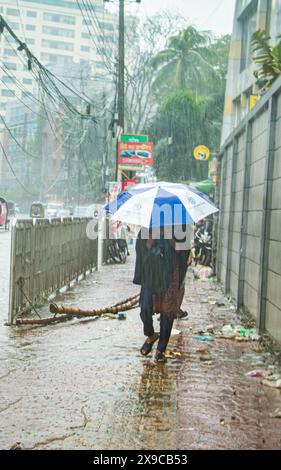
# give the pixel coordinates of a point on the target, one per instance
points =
(84, 384)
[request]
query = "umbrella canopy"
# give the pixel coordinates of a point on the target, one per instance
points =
(160, 204)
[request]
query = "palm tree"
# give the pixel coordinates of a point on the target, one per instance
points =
(268, 58)
(184, 63)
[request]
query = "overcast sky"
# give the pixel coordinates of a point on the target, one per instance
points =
(214, 15)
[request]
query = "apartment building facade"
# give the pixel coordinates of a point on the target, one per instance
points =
(241, 91)
(75, 40)
(57, 32)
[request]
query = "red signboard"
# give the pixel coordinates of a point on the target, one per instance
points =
(135, 153)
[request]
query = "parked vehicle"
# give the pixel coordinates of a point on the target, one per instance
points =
(4, 219)
(54, 209)
(203, 239)
(37, 210)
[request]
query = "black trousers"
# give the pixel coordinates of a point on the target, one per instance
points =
(146, 314)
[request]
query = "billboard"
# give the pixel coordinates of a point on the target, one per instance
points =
(135, 153)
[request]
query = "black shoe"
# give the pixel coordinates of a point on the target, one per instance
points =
(160, 357)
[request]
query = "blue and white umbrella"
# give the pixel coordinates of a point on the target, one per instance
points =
(153, 205)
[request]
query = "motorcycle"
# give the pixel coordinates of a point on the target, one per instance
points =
(203, 239)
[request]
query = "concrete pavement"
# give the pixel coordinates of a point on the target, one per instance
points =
(84, 385)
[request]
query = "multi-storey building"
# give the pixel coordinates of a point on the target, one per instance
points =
(241, 91)
(76, 40)
(57, 32)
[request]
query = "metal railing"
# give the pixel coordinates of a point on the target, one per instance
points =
(47, 255)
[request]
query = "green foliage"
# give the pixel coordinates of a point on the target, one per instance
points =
(191, 82)
(267, 57)
(184, 62)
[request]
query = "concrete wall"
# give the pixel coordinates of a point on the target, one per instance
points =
(249, 236)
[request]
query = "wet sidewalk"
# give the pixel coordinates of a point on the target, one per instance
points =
(84, 385)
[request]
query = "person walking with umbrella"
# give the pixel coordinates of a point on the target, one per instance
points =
(160, 270)
(163, 210)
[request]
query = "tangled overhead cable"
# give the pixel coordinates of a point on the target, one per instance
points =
(47, 80)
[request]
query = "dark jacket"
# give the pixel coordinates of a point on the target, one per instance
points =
(154, 267)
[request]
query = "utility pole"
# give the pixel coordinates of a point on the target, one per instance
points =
(105, 149)
(121, 73)
(121, 66)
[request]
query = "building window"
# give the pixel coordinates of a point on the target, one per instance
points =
(9, 52)
(10, 66)
(7, 79)
(68, 33)
(99, 64)
(14, 25)
(27, 81)
(13, 12)
(59, 18)
(105, 25)
(86, 35)
(31, 14)
(30, 27)
(56, 59)
(7, 93)
(57, 45)
(87, 22)
(84, 49)
(30, 41)
(248, 27)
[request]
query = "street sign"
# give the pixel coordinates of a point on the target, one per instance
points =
(135, 153)
(134, 138)
(201, 153)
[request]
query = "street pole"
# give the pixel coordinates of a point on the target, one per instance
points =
(121, 66)
(121, 80)
(121, 73)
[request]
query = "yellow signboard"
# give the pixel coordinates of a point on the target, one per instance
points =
(202, 153)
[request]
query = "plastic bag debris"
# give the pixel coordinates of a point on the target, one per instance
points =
(204, 338)
(257, 373)
(202, 272)
(175, 332)
(121, 316)
(238, 333)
